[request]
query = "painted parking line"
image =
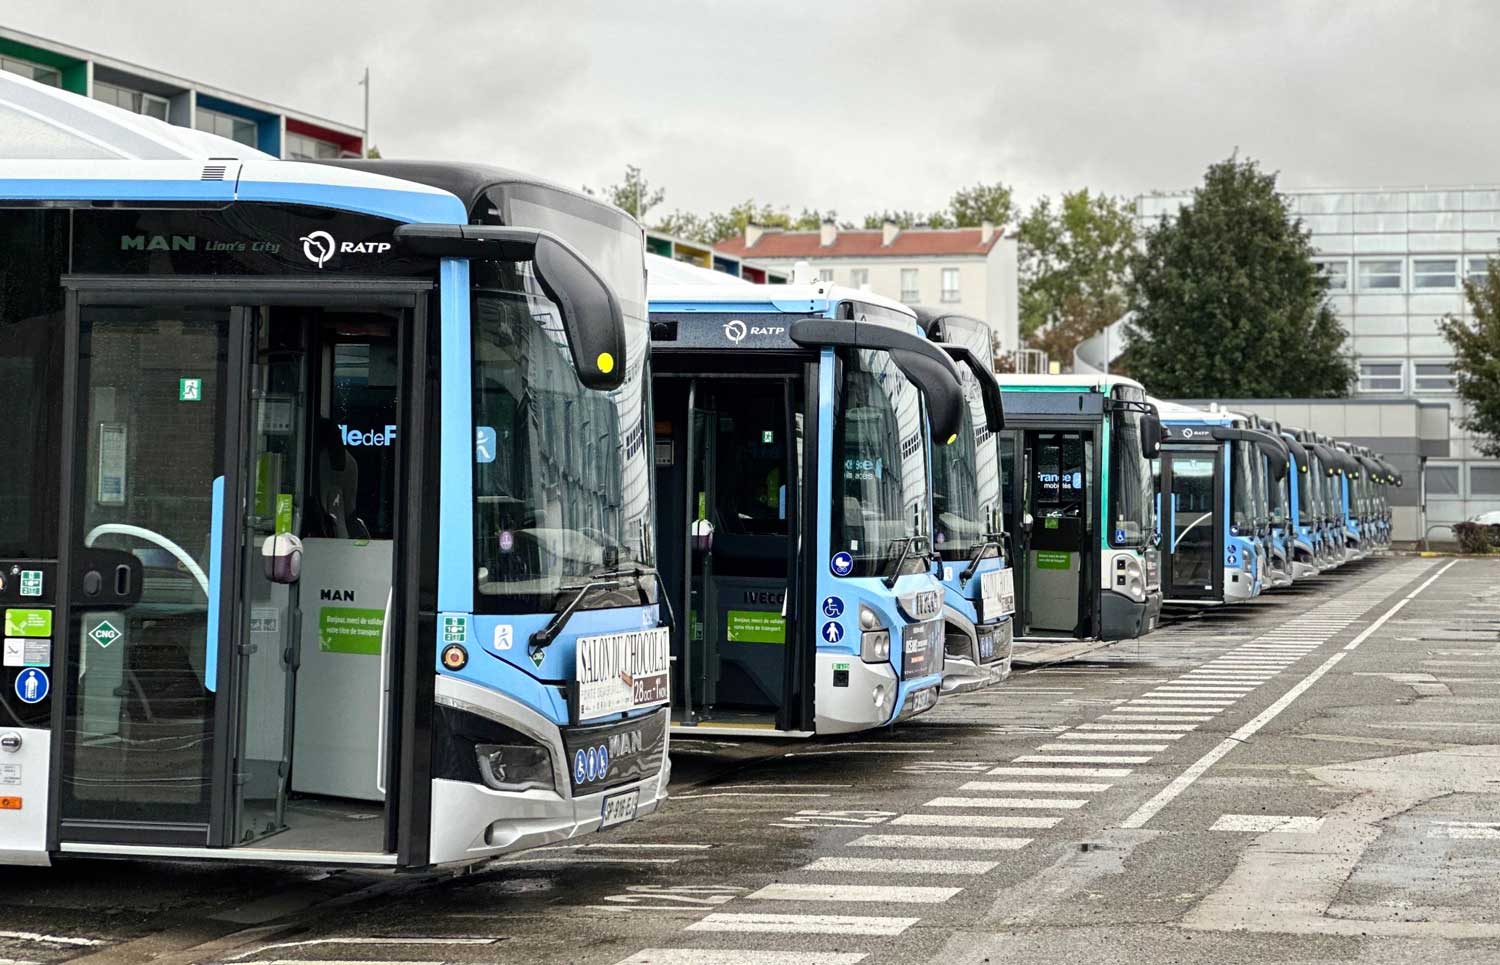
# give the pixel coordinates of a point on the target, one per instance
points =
(1017, 803)
(1082, 759)
(729, 956)
(1135, 727)
(1146, 714)
(804, 924)
(1056, 787)
(1063, 771)
(1012, 822)
(1262, 823)
(867, 894)
(935, 842)
(902, 866)
(1096, 736)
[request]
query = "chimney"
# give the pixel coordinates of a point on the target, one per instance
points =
(828, 233)
(888, 232)
(753, 233)
(986, 232)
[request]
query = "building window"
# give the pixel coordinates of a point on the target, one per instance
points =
(910, 291)
(859, 277)
(825, 275)
(226, 125)
(300, 147)
(1382, 376)
(1479, 270)
(1433, 377)
(950, 284)
(40, 73)
(1434, 273)
(1335, 272)
(1442, 481)
(1379, 274)
(1484, 481)
(129, 99)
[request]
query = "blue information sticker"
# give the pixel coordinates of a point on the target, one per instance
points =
(580, 767)
(1119, 536)
(833, 632)
(833, 607)
(842, 564)
(32, 685)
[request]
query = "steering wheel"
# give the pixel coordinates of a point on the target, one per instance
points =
(155, 539)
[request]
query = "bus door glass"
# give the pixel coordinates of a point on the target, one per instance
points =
(1062, 495)
(1191, 482)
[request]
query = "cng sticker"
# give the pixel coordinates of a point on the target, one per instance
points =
(455, 628)
(105, 633)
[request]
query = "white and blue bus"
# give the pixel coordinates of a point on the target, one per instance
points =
(1080, 505)
(793, 474)
(326, 525)
(969, 536)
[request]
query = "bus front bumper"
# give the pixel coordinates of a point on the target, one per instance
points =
(1238, 586)
(969, 670)
(1121, 618)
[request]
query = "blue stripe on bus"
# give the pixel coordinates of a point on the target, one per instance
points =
(90, 189)
(456, 405)
(215, 576)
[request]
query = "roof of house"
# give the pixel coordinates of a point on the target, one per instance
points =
(863, 243)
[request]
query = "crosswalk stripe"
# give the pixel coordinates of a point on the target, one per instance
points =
(731, 956)
(803, 924)
(1146, 713)
(902, 866)
(1081, 759)
(1009, 821)
(874, 894)
(1135, 727)
(1095, 736)
(1068, 748)
(1019, 803)
(1062, 771)
(1059, 787)
(945, 842)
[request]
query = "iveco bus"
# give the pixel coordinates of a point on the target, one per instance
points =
(979, 592)
(1080, 505)
(325, 531)
(794, 484)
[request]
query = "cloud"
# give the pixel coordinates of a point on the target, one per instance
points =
(858, 106)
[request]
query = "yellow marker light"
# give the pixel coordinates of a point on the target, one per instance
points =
(952, 439)
(606, 362)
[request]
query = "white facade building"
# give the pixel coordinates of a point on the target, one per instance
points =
(967, 270)
(1396, 260)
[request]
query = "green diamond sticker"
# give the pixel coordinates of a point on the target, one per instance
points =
(104, 633)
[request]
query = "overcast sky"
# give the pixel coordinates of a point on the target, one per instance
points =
(856, 106)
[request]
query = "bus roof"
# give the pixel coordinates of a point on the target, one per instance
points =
(771, 298)
(1177, 412)
(1080, 381)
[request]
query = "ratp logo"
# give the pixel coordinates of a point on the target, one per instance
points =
(735, 331)
(319, 247)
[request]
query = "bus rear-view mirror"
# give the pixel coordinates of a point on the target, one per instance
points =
(1150, 435)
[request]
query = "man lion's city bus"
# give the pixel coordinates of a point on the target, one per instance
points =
(1080, 505)
(795, 509)
(969, 538)
(326, 522)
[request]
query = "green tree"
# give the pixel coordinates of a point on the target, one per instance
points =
(635, 194)
(1228, 302)
(1476, 362)
(973, 206)
(1074, 263)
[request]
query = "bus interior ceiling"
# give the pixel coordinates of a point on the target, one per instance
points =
(723, 529)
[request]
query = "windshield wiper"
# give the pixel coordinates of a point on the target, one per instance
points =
(906, 544)
(603, 578)
(979, 554)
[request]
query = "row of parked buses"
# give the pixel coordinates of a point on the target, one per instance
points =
(377, 513)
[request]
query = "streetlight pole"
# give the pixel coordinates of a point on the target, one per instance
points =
(366, 85)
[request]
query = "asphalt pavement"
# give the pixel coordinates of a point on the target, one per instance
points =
(1313, 777)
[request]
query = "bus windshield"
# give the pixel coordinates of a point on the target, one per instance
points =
(956, 500)
(1242, 488)
(1306, 508)
(881, 494)
(1131, 487)
(561, 484)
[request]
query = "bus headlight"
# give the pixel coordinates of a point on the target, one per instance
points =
(515, 767)
(874, 638)
(1135, 579)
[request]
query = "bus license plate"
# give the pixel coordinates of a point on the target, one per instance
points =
(619, 808)
(923, 699)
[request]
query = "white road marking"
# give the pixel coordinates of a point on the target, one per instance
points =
(1135, 727)
(1471, 830)
(803, 924)
(1019, 803)
(32, 936)
(1068, 748)
(871, 894)
(1081, 759)
(902, 866)
(730, 956)
(1056, 787)
(1145, 714)
(1262, 823)
(1009, 821)
(935, 842)
(1111, 736)
(1063, 771)
(625, 847)
(1170, 793)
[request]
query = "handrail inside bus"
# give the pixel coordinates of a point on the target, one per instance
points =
(154, 538)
